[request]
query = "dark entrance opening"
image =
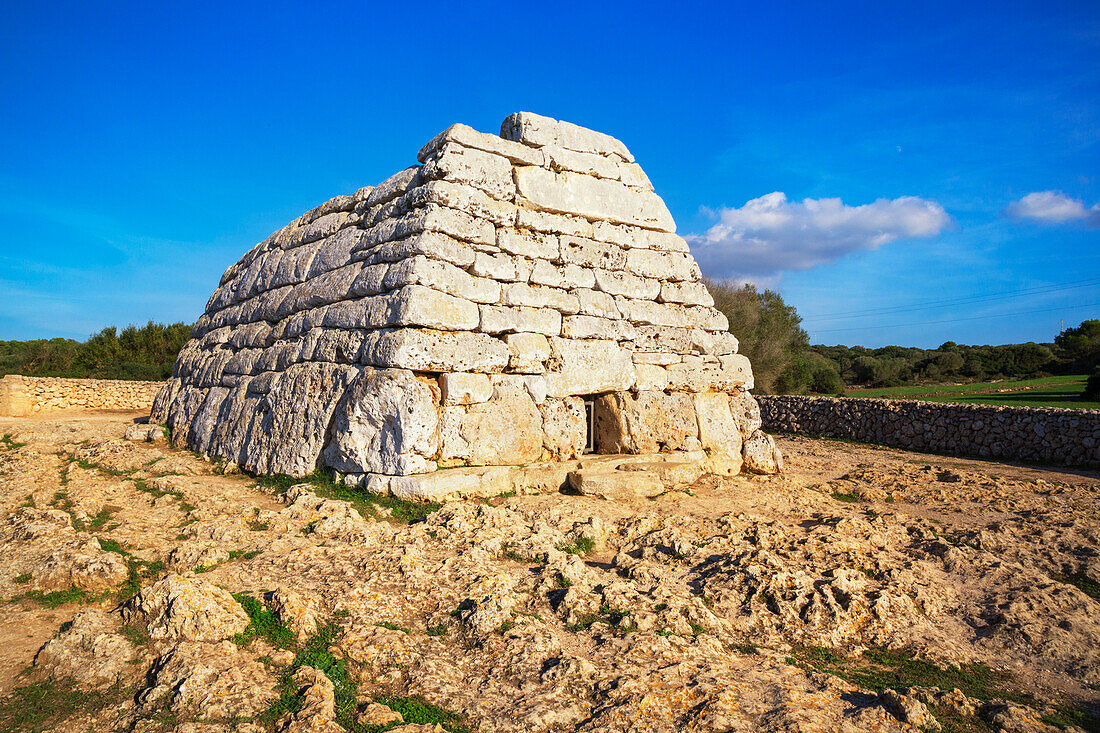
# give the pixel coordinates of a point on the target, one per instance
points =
(590, 423)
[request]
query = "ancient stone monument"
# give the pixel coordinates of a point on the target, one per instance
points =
(512, 301)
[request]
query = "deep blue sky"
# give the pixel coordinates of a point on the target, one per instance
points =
(147, 146)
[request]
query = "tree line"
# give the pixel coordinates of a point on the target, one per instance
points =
(145, 353)
(784, 362)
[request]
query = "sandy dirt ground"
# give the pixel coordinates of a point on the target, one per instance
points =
(864, 589)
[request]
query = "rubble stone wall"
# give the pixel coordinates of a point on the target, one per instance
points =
(1040, 434)
(23, 396)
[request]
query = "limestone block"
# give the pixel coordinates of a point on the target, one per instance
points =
(496, 267)
(588, 367)
(504, 319)
(435, 245)
(689, 293)
(589, 327)
(466, 388)
(335, 345)
(647, 423)
(707, 319)
(536, 387)
(434, 351)
(615, 485)
(648, 312)
(453, 448)
(722, 343)
(596, 303)
(590, 253)
(487, 171)
(590, 164)
(592, 198)
(394, 186)
(431, 218)
(761, 454)
(320, 228)
(626, 284)
(294, 265)
(651, 377)
(564, 427)
(506, 430)
(661, 241)
(329, 287)
(737, 370)
(544, 221)
(464, 198)
(528, 352)
(746, 412)
(663, 339)
(387, 422)
(535, 245)
(412, 305)
(561, 276)
(632, 175)
(663, 265)
(718, 432)
(441, 276)
(533, 296)
(538, 131)
(468, 137)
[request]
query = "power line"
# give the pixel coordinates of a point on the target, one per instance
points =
(957, 320)
(886, 310)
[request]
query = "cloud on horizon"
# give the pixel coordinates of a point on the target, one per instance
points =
(771, 234)
(1053, 207)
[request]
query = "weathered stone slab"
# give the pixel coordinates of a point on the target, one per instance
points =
(489, 172)
(468, 137)
(425, 350)
(506, 319)
(592, 198)
(538, 131)
(466, 388)
(588, 367)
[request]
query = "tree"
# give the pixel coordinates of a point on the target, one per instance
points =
(769, 332)
(1080, 346)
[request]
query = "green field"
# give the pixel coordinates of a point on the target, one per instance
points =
(1044, 392)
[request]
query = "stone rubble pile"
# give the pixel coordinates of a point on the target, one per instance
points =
(462, 313)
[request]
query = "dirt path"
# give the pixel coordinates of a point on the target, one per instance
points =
(797, 602)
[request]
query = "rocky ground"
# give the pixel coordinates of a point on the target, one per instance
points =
(865, 589)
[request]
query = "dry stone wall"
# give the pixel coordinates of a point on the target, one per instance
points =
(461, 313)
(23, 396)
(1066, 437)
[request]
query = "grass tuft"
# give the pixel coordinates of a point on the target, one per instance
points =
(323, 483)
(263, 624)
(579, 546)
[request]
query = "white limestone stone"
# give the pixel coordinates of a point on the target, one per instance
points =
(435, 245)
(662, 265)
(463, 198)
(528, 244)
(528, 352)
(496, 267)
(561, 276)
(431, 218)
(469, 137)
(689, 293)
(626, 284)
(424, 350)
(544, 221)
(596, 303)
(592, 327)
(465, 388)
(589, 253)
(590, 164)
(441, 276)
(506, 319)
(534, 296)
(650, 377)
(394, 186)
(588, 367)
(538, 131)
(592, 198)
(487, 171)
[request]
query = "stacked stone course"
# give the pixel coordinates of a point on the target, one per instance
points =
(22, 396)
(1039, 434)
(460, 313)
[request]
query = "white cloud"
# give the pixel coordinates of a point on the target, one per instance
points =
(771, 234)
(1053, 207)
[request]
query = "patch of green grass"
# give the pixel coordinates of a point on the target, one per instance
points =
(880, 668)
(845, 497)
(606, 614)
(747, 648)
(697, 629)
(438, 630)
(393, 627)
(255, 525)
(1067, 715)
(262, 624)
(315, 653)
(417, 710)
(56, 598)
(1084, 583)
(241, 554)
(29, 502)
(664, 632)
(1061, 391)
(101, 517)
(43, 706)
(21, 579)
(579, 546)
(324, 485)
(143, 485)
(563, 582)
(8, 442)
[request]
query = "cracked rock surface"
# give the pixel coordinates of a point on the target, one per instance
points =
(862, 590)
